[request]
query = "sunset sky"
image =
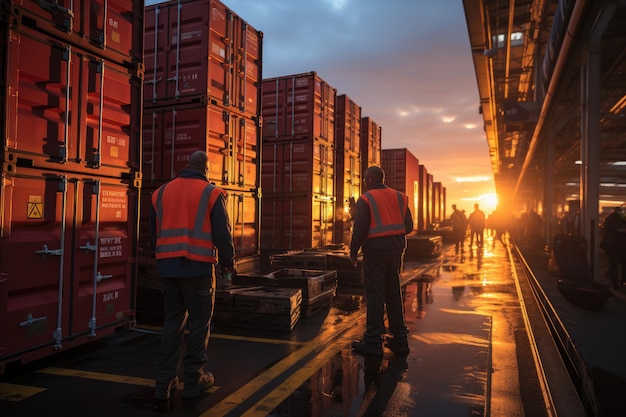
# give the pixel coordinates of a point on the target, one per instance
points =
(407, 63)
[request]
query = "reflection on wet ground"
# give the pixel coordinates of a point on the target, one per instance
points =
(450, 315)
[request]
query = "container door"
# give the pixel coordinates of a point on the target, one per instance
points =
(103, 265)
(34, 250)
(39, 81)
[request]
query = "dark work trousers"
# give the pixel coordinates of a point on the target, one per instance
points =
(617, 260)
(186, 300)
(479, 233)
(382, 288)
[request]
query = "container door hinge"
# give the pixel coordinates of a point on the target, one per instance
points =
(45, 252)
(30, 320)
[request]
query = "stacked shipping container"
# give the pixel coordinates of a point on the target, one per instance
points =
(371, 144)
(298, 165)
(71, 92)
(402, 174)
(348, 166)
(203, 75)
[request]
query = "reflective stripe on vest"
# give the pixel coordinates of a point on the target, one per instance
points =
(194, 242)
(388, 209)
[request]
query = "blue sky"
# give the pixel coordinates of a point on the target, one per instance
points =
(407, 63)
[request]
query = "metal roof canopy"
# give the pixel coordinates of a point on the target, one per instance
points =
(537, 99)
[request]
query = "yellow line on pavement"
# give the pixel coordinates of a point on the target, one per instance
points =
(123, 379)
(284, 390)
(229, 403)
(15, 392)
(158, 329)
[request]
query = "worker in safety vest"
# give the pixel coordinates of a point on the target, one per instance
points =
(381, 222)
(191, 231)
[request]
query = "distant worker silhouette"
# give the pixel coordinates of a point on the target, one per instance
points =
(476, 222)
(459, 227)
(613, 243)
(381, 222)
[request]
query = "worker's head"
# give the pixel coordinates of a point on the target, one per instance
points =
(453, 206)
(199, 161)
(373, 175)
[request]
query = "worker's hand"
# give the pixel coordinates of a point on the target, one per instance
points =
(354, 260)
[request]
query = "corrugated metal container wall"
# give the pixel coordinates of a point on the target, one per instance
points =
(296, 222)
(172, 133)
(401, 169)
(436, 209)
(298, 106)
(429, 201)
(297, 167)
(67, 257)
(201, 48)
(68, 110)
(112, 29)
(422, 211)
(348, 168)
(371, 140)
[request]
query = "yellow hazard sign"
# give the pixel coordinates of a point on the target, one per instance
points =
(34, 207)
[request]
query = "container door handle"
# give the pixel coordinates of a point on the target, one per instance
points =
(30, 320)
(89, 247)
(100, 277)
(45, 252)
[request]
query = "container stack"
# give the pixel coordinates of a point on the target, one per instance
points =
(348, 166)
(202, 92)
(402, 173)
(298, 162)
(371, 144)
(439, 202)
(71, 99)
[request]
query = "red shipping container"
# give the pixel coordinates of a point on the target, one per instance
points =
(298, 106)
(438, 203)
(67, 260)
(296, 222)
(68, 110)
(297, 166)
(348, 169)
(112, 29)
(201, 48)
(171, 134)
(423, 209)
(347, 125)
(349, 183)
(402, 174)
(370, 146)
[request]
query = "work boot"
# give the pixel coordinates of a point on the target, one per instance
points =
(363, 348)
(399, 347)
(204, 382)
(164, 394)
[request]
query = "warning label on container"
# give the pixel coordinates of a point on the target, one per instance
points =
(112, 199)
(114, 205)
(110, 247)
(34, 207)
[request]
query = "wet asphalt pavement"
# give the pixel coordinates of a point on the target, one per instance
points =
(468, 358)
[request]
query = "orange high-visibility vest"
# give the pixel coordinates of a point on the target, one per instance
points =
(387, 212)
(183, 219)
